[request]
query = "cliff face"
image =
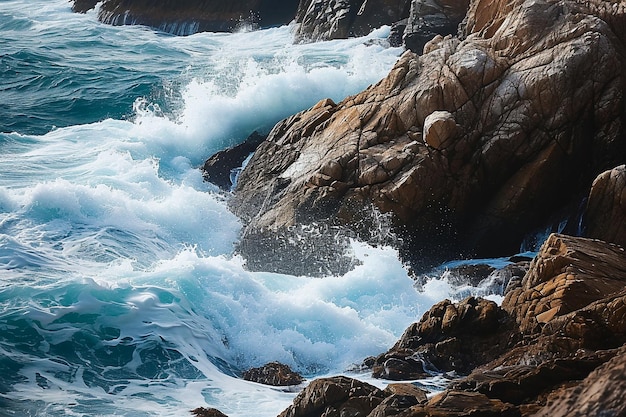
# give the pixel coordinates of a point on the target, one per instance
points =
(466, 148)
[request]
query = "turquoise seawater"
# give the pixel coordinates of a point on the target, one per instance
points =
(120, 294)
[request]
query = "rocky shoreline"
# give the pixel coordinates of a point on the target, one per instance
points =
(503, 117)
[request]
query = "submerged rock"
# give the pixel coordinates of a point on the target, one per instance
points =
(536, 92)
(208, 412)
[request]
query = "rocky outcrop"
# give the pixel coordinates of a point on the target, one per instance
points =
(185, 18)
(334, 397)
(273, 373)
(522, 115)
(342, 396)
(605, 215)
(526, 362)
(337, 19)
(449, 337)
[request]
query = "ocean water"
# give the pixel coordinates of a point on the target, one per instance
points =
(120, 294)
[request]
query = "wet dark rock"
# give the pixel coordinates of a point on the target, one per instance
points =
(221, 168)
(450, 336)
(187, 17)
(337, 19)
(429, 18)
(82, 6)
(208, 412)
(273, 373)
(605, 215)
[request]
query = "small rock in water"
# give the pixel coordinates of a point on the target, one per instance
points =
(273, 373)
(208, 412)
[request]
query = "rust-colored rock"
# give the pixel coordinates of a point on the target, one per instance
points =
(567, 274)
(605, 216)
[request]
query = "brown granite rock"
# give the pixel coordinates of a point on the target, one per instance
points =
(273, 373)
(537, 94)
(450, 336)
(605, 215)
(460, 404)
(599, 394)
(567, 274)
(335, 397)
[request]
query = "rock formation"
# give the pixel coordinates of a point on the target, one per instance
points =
(606, 208)
(188, 17)
(522, 359)
(332, 19)
(273, 373)
(429, 18)
(467, 148)
(224, 166)
(343, 396)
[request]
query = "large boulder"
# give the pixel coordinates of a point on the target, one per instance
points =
(537, 98)
(605, 215)
(187, 17)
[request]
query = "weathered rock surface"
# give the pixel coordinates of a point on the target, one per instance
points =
(337, 19)
(536, 89)
(600, 394)
(606, 208)
(567, 275)
(273, 373)
(335, 397)
(449, 337)
(187, 17)
(208, 412)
